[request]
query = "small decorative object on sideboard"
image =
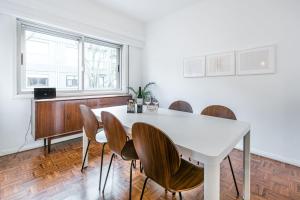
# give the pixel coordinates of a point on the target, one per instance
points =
(131, 106)
(44, 93)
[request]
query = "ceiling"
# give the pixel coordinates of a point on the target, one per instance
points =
(146, 10)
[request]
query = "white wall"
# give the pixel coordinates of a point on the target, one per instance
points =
(75, 15)
(271, 103)
(135, 67)
(86, 17)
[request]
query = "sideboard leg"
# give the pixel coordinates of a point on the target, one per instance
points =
(45, 142)
(49, 145)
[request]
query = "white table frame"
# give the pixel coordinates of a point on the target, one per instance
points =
(211, 169)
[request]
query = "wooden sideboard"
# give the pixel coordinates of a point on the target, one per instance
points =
(59, 117)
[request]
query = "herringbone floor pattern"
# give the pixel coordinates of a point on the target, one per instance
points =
(36, 175)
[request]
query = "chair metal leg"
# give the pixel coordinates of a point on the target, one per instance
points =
(144, 188)
(236, 187)
(180, 195)
(111, 159)
(86, 152)
(130, 179)
(101, 165)
(141, 167)
(134, 164)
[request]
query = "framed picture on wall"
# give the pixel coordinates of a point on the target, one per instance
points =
(261, 60)
(194, 67)
(222, 64)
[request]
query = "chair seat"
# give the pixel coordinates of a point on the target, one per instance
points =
(128, 151)
(100, 136)
(187, 177)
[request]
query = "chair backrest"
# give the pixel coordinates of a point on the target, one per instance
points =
(90, 122)
(115, 133)
(157, 153)
(181, 106)
(219, 111)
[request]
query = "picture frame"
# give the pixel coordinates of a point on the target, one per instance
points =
(194, 67)
(260, 60)
(221, 64)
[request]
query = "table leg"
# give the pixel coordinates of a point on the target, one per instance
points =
(247, 166)
(84, 146)
(212, 181)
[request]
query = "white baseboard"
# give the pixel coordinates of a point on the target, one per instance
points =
(37, 144)
(272, 156)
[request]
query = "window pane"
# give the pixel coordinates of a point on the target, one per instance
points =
(71, 81)
(48, 60)
(101, 67)
(37, 82)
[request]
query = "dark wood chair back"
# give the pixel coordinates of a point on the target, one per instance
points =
(114, 131)
(219, 111)
(157, 153)
(90, 122)
(181, 106)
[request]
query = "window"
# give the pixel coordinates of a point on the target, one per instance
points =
(50, 57)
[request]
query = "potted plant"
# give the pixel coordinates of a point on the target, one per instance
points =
(145, 91)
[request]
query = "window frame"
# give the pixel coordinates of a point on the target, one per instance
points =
(23, 25)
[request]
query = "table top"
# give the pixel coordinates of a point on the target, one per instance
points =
(210, 137)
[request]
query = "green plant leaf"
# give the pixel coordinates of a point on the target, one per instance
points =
(133, 90)
(146, 93)
(148, 85)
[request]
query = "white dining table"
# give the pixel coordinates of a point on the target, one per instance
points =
(202, 138)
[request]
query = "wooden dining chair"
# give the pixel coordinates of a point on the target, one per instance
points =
(94, 132)
(119, 143)
(162, 162)
(222, 112)
(181, 106)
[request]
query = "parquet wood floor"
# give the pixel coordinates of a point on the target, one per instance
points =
(35, 175)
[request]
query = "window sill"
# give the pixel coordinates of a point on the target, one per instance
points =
(88, 94)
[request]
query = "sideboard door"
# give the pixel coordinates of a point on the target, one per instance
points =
(73, 121)
(49, 119)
